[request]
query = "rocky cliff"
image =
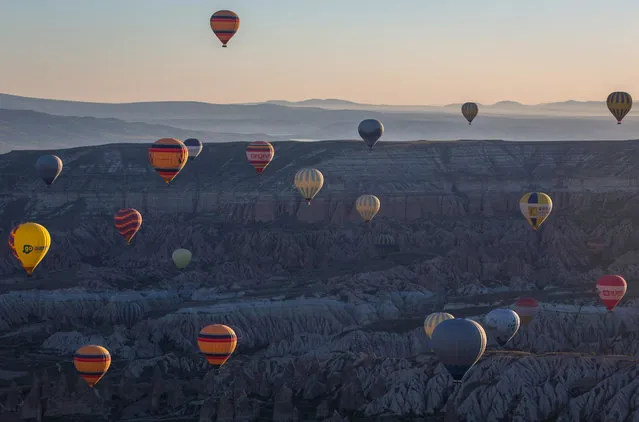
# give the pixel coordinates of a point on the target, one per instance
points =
(329, 327)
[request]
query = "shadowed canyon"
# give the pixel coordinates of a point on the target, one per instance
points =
(329, 327)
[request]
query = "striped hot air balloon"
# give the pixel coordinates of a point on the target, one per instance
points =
(194, 147)
(367, 206)
(469, 111)
(619, 104)
(309, 182)
(535, 207)
(433, 320)
(224, 24)
(385, 242)
(217, 342)
(128, 221)
(168, 157)
(526, 308)
(260, 154)
(92, 362)
(611, 288)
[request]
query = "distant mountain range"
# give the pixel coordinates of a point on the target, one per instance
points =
(28, 123)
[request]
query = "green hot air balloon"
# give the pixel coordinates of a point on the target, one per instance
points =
(181, 257)
(458, 343)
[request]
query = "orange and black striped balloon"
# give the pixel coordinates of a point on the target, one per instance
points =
(225, 24)
(168, 156)
(217, 342)
(260, 154)
(128, 221)
(619, 103)
(92, 362)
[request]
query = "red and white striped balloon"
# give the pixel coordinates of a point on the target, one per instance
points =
(526, 308)
(612, 289)
(260, 154)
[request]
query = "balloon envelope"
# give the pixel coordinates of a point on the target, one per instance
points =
(224, 24)
(502, 324)
(260, 154)
(127, 222)
(309, 182)
(92, 362)
(217, 342)
(611, 289)
(619, 104)
(385, 242)
(535, 207)
(168, 157)
(526, 308)
(367, 206)
(469, 111)
(193, 147)
(433, 320)
(370, 130)
(458, 343)
(29, 242)
(49, 168)
(181, 257)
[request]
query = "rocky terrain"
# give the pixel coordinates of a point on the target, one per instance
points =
(329, 327)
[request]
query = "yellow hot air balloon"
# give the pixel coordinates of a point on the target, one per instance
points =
(182, 257)
(92, 362)
(30, 243)
(619, 104)
(536, 207)
(433, 320)
(367, 206)
(309, 182)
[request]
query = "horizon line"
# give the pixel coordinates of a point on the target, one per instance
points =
(298, 102)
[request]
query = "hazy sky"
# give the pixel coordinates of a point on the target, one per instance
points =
(371, 51)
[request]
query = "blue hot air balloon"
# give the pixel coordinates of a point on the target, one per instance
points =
(370, 130)
(49, 168)
(194, 146)
(458, 343)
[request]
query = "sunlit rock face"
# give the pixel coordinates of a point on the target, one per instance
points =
(329, 327)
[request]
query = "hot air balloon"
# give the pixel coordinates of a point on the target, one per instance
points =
(619, 104)
(181, 257)
(217, 342)
(458, 343)
(194, 147)
(612, 289)
(309, 182)
(260, 154)
(433, 320)
(502, 324)
(92, 362)
(469, 111)
(49, 168)
(367, 206)
(225, 24)
(168, 156)
(526, 308)
(128, 221)
(370, 130)
(536, 207)
(385, 242)
(29, 243)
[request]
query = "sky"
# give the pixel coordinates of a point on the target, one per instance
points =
(403, 52)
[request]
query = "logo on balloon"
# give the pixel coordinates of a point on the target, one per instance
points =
(27, 249)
